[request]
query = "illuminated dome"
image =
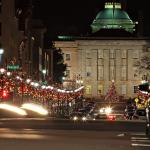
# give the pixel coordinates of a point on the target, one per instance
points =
(112, 17)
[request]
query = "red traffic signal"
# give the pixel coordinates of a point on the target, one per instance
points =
(4, 93)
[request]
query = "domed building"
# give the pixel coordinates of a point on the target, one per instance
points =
(113, 17)
(108, 54)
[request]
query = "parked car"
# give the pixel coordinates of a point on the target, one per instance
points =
(78, 116)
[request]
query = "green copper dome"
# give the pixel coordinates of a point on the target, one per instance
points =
(112, 17)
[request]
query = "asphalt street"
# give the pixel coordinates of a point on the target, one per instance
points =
(31, 139)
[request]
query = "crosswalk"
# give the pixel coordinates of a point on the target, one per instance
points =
(140, 140)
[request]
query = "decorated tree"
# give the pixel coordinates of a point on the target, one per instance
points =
(143, 66)
(111, 95)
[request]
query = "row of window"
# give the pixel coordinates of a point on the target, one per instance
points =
(112, 62)
(112, 53)
(100, 56)
(100, 89)
(112, 73)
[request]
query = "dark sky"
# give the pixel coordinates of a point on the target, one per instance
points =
(75, 16)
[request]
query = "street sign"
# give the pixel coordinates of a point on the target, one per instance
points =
(13, 67)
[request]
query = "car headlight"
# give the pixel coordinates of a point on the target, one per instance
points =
(75, 118)
(35, 108)
(102, 110)
(84, 119)
(108, 110)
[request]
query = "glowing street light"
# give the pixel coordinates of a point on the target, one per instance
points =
(44, 73)
(1, 51)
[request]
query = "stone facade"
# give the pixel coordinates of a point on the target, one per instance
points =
(98, 61)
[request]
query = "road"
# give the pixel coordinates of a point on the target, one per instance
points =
(47, 134)
(30, 139)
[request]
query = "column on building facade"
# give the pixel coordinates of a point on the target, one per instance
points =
(118, 68)
(106, 70)
(94, 72)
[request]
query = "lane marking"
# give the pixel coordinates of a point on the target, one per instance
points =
(122, 134)
(146, 141)
(142, 145)
(140, 138)
(138, 134)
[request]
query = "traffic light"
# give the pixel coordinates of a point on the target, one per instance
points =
(4, 94)
(144, 87)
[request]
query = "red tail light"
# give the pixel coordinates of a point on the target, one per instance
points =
(111, 117)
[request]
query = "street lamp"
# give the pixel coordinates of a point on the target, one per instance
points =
(1, 53)
(44, 73)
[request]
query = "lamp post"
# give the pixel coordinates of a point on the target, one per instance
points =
(1, 53)
(44, 73)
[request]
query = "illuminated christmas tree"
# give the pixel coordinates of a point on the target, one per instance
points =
(111, 96)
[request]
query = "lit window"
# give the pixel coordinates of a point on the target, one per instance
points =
(88, 89)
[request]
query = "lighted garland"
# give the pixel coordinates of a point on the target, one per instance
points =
(13, 81)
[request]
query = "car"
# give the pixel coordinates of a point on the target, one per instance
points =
(78, 116)
(141, 114)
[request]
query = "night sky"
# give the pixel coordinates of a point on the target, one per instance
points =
(75, 16)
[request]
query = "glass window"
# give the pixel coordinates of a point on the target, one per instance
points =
(68, 73)
(100, 89)
(135, 73)
(88, 89)
(124, 54)
(100, 53)
(100, 62)
(68, 57)
(112, 73)
(112, 62)
(136, 88)
(100, 73)
(88, 55)
(123, 62)
(88, 62)
(123, 73)
(123, 89)
(88, 71)
(135, 54)
(112, 53)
